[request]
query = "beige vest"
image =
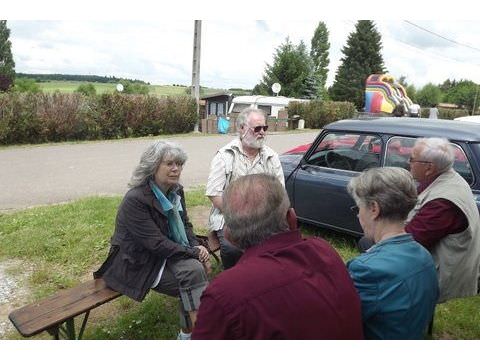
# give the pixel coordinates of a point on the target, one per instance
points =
(456, 256)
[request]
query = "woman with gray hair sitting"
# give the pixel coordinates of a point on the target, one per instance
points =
(153, 245)
(396, 278)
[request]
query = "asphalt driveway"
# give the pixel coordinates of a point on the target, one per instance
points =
(48, 174)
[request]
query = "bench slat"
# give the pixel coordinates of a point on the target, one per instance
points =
(35, 318)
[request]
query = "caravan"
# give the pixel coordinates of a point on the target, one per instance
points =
(270, 104)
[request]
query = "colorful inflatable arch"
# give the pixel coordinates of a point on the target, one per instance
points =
(383, 94)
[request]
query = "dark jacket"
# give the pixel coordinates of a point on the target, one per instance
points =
(141, 243)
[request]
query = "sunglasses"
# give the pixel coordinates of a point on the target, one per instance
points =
(257, 129)
(355, 209)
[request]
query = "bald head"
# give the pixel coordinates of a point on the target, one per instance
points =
(255, 207)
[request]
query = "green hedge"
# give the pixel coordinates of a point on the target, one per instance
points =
(445, 113)
(36, 118)
(317, 113)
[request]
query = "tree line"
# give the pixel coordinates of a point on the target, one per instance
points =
(303, 73)
(86, 78)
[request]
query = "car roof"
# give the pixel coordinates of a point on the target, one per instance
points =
(473, 118)
(417, 127)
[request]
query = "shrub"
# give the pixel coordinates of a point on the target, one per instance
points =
(318, 113)
(34, 118)
(26, 85)
(19, 123)
(134, 88)
(60, 116)
(87, 89)
(445, 113)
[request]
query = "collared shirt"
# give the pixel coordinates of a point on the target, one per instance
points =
(230, 163)
(435, 220)
(285, 288)
(397, 282)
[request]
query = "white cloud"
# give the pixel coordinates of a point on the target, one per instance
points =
(234, 52)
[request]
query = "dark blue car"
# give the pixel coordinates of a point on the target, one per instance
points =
(316, 179)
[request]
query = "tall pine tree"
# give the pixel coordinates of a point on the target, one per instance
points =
(319, 55)
(292, 68)
(7, 65)
(362, 57)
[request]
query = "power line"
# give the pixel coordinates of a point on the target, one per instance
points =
(440, 36)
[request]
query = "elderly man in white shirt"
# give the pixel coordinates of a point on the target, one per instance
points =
(245, 155)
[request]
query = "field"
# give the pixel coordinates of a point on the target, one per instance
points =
(71, 86)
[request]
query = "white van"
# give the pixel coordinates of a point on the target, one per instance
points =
(270, 104)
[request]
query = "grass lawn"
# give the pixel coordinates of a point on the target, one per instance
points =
(65, 243)
(71, 86)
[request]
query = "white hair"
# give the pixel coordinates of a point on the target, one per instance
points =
(437, 150)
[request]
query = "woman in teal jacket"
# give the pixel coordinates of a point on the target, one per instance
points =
(396, 278)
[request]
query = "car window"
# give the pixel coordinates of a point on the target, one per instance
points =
(347, 151)
(399, 149)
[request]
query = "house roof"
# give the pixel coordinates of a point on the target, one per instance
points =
(221, 93)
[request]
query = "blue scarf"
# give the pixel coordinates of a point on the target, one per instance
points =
(172, 207)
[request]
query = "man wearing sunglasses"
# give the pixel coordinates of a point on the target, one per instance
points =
(244, 155)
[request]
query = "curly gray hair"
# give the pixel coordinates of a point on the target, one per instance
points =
(392, 188)
(151, 158)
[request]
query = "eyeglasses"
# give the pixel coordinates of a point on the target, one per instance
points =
(172, 164)
(411, 160)
(257, 129)
(355, 209)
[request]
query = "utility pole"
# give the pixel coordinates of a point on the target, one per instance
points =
(197, 40)
(475, 101)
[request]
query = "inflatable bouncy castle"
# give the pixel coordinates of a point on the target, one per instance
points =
(384, 94)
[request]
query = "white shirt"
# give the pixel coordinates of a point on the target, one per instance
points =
(230, 163)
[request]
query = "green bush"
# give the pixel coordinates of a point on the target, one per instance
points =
(19, 123)
(36, 118)
(448, 114)
(318, 113)
(134, 88)
(26, 85)
(87, 89)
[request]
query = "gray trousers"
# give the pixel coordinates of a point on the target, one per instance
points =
(186, 279)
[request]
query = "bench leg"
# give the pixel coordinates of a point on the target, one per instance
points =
(54, 331)
(84, 323)
(67, 329)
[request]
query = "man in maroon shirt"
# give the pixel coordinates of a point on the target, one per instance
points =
(283, 286)
(437, 218)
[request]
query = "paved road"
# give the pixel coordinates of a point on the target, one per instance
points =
(48, 174)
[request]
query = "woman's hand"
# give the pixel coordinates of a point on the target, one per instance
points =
(203, 256)
(207, 266)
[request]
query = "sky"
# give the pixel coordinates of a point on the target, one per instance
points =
(234, 49)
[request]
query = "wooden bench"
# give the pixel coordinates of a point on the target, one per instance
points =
(57, 313)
